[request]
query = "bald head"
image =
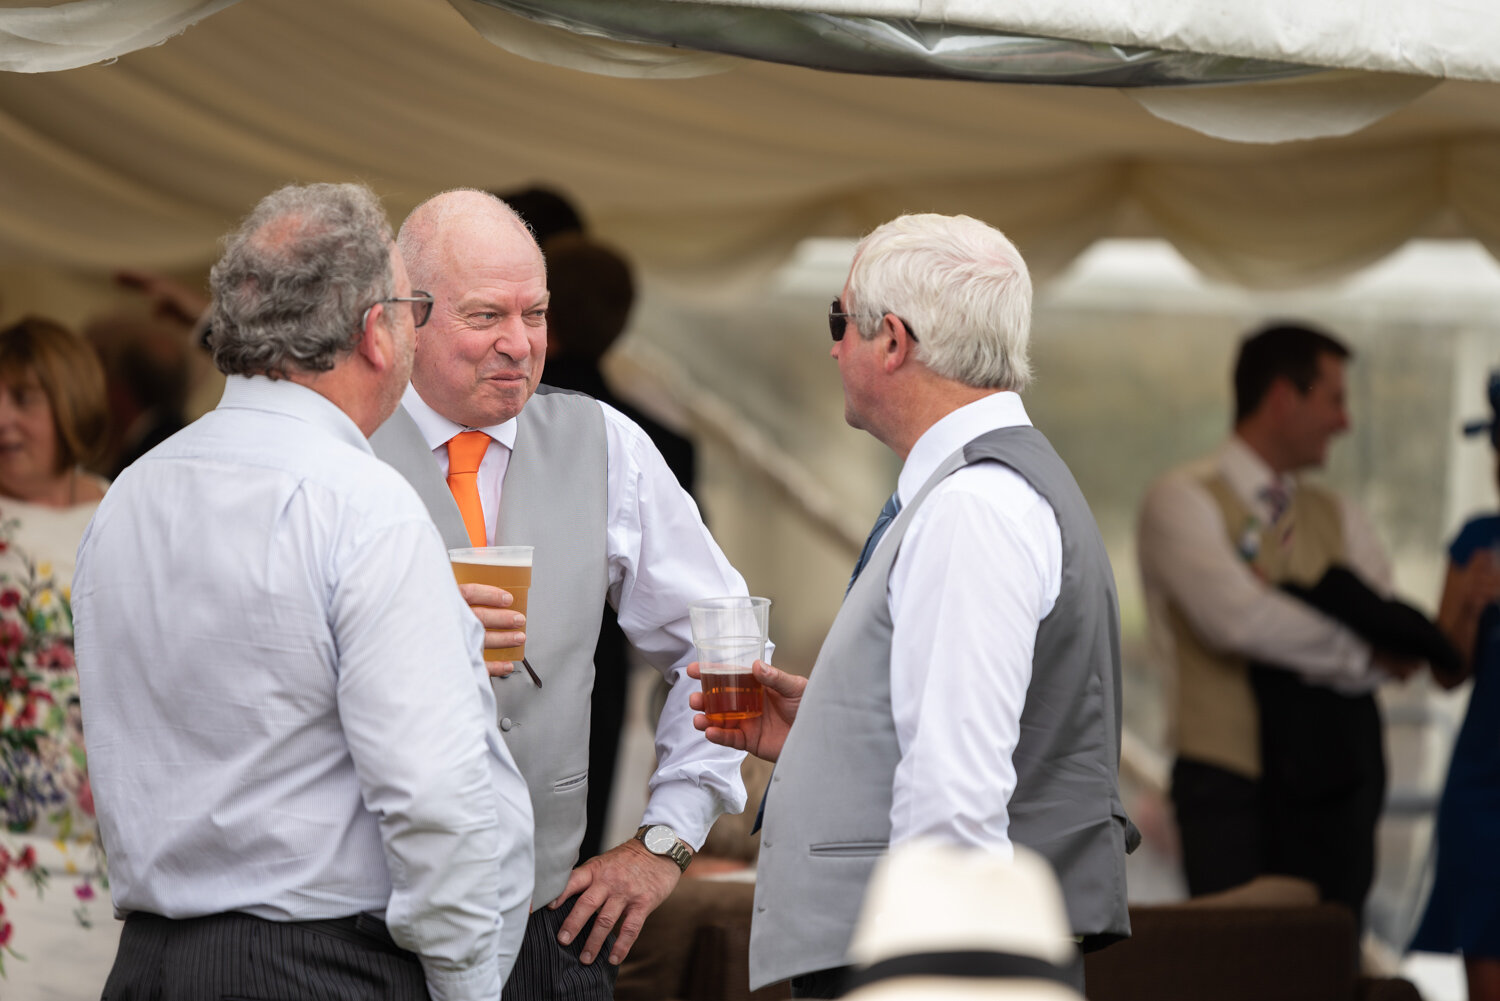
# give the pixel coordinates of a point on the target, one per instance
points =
(479, 358)
(449, 217)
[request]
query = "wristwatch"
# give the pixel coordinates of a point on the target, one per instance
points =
(660, 839)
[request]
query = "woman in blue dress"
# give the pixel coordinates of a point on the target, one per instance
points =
(1463, 913)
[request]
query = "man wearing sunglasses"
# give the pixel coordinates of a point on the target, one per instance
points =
(969, 688)
(584, 486)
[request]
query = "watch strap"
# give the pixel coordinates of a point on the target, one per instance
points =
(680, 852)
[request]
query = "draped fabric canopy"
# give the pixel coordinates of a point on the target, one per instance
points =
(148, 158)
(135, 134)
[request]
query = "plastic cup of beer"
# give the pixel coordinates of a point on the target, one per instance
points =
(730, 691)
(730, 635)
(503, 566)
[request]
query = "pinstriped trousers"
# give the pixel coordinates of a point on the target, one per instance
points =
(238, 957)
(546, 970)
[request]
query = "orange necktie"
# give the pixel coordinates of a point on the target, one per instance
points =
(465, 452)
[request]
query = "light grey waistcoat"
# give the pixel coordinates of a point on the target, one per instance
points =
(554, 498)
(827, 815)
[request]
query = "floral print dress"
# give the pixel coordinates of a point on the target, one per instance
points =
(50, 857)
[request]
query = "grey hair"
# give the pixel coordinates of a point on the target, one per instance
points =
(296, 278)
(962, 287)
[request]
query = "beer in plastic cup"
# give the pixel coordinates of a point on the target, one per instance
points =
(502, 566)
(730, 691)
(730, 634)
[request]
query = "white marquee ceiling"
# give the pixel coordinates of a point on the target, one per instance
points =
(148, 159)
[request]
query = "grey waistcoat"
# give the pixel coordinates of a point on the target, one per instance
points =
(554, 498)
(828, 808)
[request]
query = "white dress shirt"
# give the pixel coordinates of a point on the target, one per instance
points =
(1187, 559)
(286, 710)
(661, 557)
(980, 566)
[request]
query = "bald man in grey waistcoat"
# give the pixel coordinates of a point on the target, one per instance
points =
(583, 485)
(969, 688)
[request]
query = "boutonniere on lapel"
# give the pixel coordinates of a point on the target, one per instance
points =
(1249, 544)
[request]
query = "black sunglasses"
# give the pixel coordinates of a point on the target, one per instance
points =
(838, 321)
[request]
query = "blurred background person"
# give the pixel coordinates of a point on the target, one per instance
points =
(548, 212)
(1280, 765)
(1463, 912)
(592, 293)
(52, 423)
(146, 377)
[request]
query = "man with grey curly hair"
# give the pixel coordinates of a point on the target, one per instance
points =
(289, 290)
(297, 768)
(969, 688)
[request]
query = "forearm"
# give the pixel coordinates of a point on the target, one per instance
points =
(1458, 617)
(1186, 555)
(695, 781)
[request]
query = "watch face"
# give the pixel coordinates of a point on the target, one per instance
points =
(659, 839)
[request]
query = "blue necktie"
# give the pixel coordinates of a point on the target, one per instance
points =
(889, 511)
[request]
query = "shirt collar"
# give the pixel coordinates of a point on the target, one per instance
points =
(282, 396)
(437, 429)
(1247, 473)
(952, 432)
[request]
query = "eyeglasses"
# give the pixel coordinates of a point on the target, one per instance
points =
(421, 307)
(838, 321)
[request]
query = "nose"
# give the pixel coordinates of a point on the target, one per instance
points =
(513, 339)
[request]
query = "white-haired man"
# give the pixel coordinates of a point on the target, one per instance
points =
(968, 689)
(291, 734)
(584, 486)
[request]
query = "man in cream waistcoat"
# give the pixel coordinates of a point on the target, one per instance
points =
(1216, 538)
(585, 487)
(969, 688)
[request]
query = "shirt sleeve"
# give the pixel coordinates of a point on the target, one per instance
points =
(419, 717)
(979, 567)
(661, 557)
(1186, 555)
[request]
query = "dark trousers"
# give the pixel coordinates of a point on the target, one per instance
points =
(1313, 812)
(237, 956)
(546, 970)
(1219, 817)
(1323, 784)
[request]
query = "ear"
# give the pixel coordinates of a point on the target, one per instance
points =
(1281, 395)
(376, 345)
(896, 344)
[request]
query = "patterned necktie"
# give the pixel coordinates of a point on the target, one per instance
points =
(465, 452)
(888, 512)
(1276, 498)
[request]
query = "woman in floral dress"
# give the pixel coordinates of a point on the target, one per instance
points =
(57, 932)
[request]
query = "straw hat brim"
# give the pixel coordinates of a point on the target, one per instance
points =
(963, 989)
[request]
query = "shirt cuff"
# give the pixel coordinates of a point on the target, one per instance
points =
(685, 808)
(480, 982)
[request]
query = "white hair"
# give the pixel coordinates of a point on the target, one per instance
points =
(959, 285)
